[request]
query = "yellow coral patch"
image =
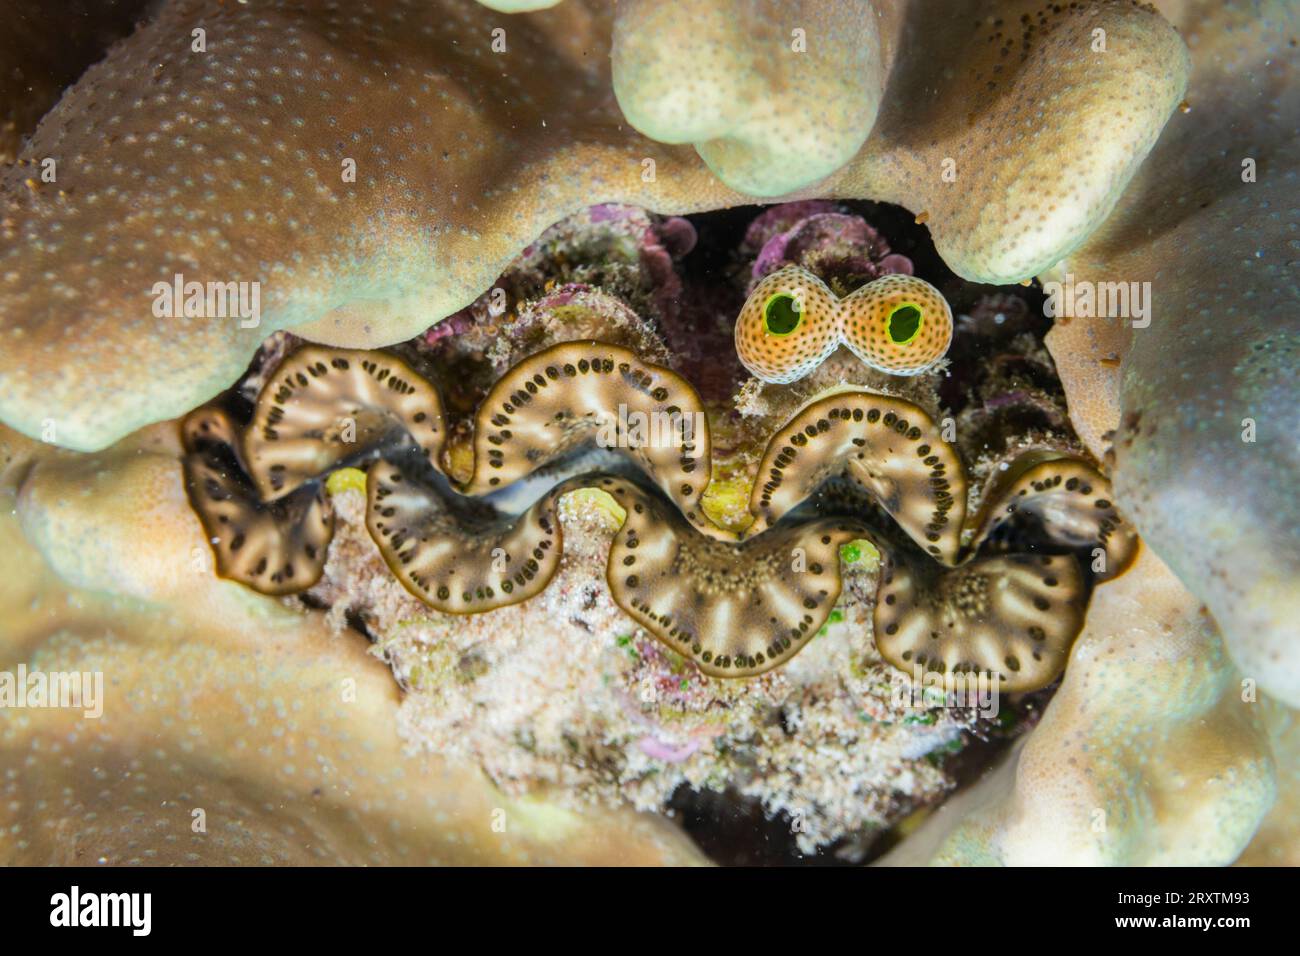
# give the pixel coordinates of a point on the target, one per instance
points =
(601, 503)
(346, 479)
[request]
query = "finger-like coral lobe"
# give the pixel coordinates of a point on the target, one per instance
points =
(1022, 144)
(773, 95)
(275, 547)
(1202, 404)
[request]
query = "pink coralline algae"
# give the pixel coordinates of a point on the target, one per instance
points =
(824, 240)
(456, 324)
(607, 245)
(668, 753)
(662, 244)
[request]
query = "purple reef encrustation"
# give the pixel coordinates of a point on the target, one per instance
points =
(838, 246)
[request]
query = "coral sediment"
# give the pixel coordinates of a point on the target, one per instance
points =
(563, 695)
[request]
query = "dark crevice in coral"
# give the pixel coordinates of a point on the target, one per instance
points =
(733, 830)
(357, 621)
(312, 602)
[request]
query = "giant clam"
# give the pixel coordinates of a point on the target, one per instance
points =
(667, 568)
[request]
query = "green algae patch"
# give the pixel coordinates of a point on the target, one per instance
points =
(861, 554)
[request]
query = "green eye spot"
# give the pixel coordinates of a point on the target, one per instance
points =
(904, 324)
(782, 314)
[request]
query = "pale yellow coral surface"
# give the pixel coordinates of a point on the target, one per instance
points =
(774, 95)
(1197, 401)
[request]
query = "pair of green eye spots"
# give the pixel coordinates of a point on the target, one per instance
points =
(783, 314)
